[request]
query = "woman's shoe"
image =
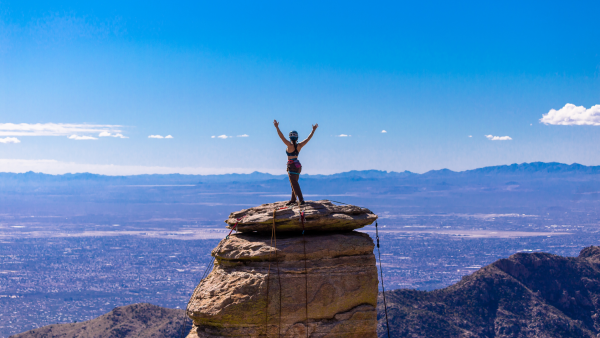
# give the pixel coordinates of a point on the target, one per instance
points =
(302, 203)
(291, 203)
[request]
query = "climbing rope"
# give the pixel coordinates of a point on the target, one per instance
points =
(278, 275)
(305, 269)
(305, 273)
(387, 323)
(268, 282)
(339, 202)
(204, 275)
(273, 236)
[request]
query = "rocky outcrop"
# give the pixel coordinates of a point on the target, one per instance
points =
(323, 284)
(140, 320)
(525, 295)
(319, 215)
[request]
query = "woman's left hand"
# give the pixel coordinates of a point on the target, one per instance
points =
(315, 126)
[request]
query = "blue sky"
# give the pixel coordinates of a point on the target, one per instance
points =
(431, 74)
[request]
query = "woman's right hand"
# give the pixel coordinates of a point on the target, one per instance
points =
(276, 124)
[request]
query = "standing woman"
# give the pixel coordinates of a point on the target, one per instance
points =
(293, 165)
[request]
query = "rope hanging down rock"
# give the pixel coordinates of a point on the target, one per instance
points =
(305, 273)
(387, 323)
(273, 235)
(340, 202)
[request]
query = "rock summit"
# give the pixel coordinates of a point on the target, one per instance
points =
(282, 283)
(319, 216)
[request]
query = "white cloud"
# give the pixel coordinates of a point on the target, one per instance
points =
(383, 131)
(77, 137)
(108, 134)
(343, 135)
(245, 135)
(224, 136)
(55, 129)
(213, 136)
(9, 140)
(55, 167)
(571, 114)
(168, 136)
(470, 135)
(156, 136)
(498, 138)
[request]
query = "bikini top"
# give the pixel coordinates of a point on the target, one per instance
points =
(295, 152)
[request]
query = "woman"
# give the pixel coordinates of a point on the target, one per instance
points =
(293, 165)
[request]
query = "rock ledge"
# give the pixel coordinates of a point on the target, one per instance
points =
(319, 216)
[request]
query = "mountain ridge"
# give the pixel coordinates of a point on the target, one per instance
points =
(140, 320)
(524, 295)
(532, 168)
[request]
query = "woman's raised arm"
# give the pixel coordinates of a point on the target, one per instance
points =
(303, 143)
(276, 124)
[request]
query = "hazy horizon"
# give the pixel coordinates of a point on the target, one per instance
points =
(133, 170)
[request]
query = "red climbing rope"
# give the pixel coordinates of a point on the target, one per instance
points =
(305, 273)
(236, 223)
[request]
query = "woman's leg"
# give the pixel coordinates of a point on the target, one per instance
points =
(293, 199)
(296, 187)
(296, 192)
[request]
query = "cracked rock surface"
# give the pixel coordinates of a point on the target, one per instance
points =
(261, 289)
(319, 216)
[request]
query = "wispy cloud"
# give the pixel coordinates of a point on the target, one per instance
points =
(109, 134)
(55, 129)
(221, 136)
(245, 135)
(383, 131)
(470, 135)
(168, 136)
(156, 136)
(343, 135)
(77, 137)
(572, 115)
(498, 138)
(9, 140)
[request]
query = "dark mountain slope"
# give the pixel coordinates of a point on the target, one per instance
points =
(136, 320)
(525, 295)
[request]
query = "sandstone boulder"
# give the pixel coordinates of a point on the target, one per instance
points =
(260, 288)
(319, 216)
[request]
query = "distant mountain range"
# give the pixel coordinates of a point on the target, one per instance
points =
(525, 295)
(523, 169)
(523, 188)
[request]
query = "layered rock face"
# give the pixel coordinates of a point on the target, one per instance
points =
(264, 286)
